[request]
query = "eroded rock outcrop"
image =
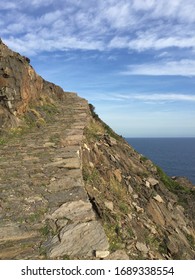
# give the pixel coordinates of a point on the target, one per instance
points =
(20, 87)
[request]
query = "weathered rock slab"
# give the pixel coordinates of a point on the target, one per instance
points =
(79, 240)
(153, 182)
(61, 197)
(66, 163)
(74, 211)
(65, 183)
(158, 198)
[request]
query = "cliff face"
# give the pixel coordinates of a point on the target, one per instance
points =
(20, 87)
(72, 188)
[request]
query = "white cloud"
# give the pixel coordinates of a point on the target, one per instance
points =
(120, 15)
(50, 17)
(7, 5)
(38, 3)
(135, 24)
(165, 97)
(158, 97)
(148, 41)
(163, 54)
(119, 43)
(183, 67)
(122, 99)
(31, 45)
(180, 10)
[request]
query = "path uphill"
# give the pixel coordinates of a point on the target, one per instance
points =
(71, 188)
(44, 208)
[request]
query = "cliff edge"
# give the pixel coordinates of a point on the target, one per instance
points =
(71, 188)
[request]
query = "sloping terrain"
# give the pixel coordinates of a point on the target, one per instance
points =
(71, 188)
(144, 212)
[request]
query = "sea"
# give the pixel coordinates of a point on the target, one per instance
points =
(176, 156)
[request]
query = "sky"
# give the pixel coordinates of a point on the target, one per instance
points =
(134, 60)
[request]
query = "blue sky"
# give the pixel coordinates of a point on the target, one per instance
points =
(134, 60)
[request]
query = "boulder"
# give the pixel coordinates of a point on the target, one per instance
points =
(142, 247)
(118, 175)
(153, 182)
(147, 184)
(109, 205)
(102, 254)
(158, 198)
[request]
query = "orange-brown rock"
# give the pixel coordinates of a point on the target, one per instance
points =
(20, 86)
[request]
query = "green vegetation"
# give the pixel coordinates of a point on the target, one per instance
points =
(162, 248)
(130, 232)
(11, 135)
(36, 116)
(153, 241)
(90, 176)
(118, 191)
(45, 231)
(107, 129)
(183, 193)
(55, 138)
(171, 184)
(49, 109)
(94, 115)
(191, 240)
(30, 119)
(123, 207)
(39, 115)
(143, 158)
(2, 141)
(92, 132)
(66, 257)
(34, 217)
(37, 216)
(113, 233)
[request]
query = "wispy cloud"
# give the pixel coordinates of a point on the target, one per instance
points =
(103, 25)
(122, 99)
(7, 5)
(183, 67)
(152, 40)
(158, 97)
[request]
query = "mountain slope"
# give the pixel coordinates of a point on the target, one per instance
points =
(144, 212)
(72, 188)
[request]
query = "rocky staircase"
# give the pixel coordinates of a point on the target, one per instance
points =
(44, 208)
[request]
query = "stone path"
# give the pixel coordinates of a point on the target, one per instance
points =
(44, 208)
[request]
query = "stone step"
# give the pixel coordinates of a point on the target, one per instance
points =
(42, 189)
(22, 250)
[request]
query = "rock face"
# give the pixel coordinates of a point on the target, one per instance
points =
(72, 188)
(20, 86)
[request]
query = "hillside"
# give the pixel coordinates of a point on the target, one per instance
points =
(71, 188)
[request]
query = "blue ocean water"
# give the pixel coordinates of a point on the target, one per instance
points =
(176, 156)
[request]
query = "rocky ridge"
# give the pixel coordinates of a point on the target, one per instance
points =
(71, 188)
